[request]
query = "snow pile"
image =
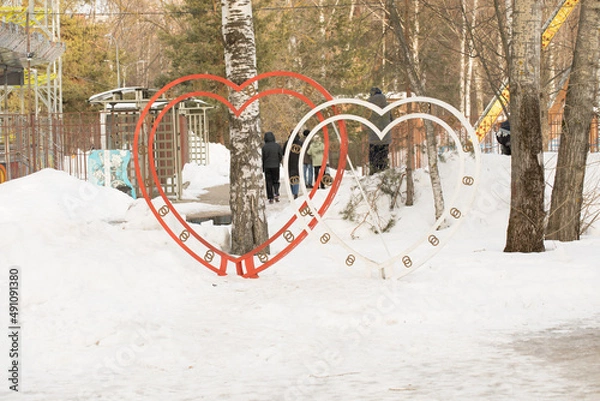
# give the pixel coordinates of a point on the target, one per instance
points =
(201, 177)
(54, 195)
(112, 308)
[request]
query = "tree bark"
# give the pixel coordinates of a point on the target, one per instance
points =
(467, 59)
(246, 198)
(564, 223)
(526, 222)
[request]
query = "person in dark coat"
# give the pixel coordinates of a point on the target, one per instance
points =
(272, 154)
(292, 167)
(379, 148)
(503, 137)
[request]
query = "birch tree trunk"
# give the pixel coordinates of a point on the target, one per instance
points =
(467, 59)
(246, 198)
(463, 59)
(526, 222)
(564, 223)
(410, 143)
(416, 83)
(470, 66)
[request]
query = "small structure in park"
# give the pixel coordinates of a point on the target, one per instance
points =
(30, 51)
(181, 136)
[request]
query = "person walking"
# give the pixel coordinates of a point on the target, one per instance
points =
(316, 150)
(293, 168)
(379, 148)
(503, 137)
(272, 154)
(307, 165)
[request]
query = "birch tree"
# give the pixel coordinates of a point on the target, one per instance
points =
(564, 223)
(467, 61)
(246, 199)
(526, 222)
(416, 83)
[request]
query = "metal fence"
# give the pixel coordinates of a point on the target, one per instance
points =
(63, 141)
(489, 144)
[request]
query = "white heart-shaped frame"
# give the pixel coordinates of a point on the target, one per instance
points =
(456, 208)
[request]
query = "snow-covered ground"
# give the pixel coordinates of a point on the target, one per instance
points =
(112, 309)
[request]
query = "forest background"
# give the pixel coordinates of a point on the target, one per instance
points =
(458, 46)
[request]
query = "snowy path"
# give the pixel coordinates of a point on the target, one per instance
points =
(326, 337)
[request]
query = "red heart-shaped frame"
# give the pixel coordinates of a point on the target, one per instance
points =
(247, 260)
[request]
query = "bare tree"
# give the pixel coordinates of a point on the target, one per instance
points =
(564, 223)
(135, 25)
(526, 222)
(416, 83)
(467, 61)
(246, 199)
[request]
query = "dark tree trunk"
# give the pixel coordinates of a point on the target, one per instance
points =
(526, 222)
(564, 223)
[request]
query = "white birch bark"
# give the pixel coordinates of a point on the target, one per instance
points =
(246, 199)
(463, 59)
(470, 64)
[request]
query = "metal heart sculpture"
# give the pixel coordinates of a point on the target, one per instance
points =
(397, 259)
(289, 235)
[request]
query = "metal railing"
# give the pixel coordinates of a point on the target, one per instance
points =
(63, 141)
